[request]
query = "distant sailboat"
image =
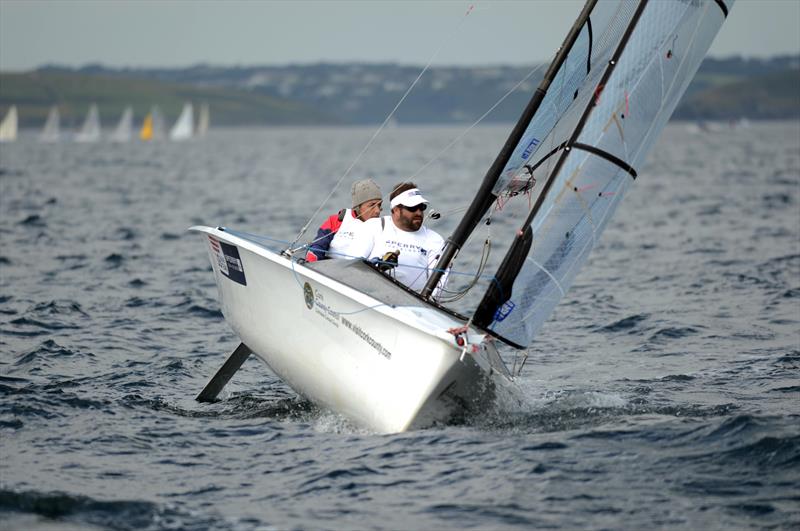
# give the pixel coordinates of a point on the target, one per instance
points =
(153, 126)
(52, 127)
(124, 130)
(184, 125)
(90, 132)
(8, 127)
(203, 120)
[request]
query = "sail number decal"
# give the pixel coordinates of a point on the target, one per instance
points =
(528, 150)
(504, 311)
(228, 260)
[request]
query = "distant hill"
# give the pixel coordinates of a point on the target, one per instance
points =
(73, 92)
(356, 93)
(774, 96)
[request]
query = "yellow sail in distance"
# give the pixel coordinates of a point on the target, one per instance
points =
(146, 132)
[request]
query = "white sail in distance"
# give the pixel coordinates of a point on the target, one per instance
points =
(124, 130)
(203, 120)
(184, 125)
(51, 132)
(8, 127)
(90, 131)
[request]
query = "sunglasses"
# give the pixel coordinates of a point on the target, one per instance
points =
(421, 206)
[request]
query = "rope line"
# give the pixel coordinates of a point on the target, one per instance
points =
(379, 130)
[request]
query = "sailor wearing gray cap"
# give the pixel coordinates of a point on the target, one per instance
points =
(336, 237)
(400, 244)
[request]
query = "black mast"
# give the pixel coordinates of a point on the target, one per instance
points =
(500, 291)
(485, 198)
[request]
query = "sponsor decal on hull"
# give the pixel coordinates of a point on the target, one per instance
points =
(315, 301)
(228, 260)
(380, 349)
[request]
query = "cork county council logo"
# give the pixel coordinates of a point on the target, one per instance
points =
(308, 293)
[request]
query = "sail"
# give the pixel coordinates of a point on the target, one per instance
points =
(52, 127)
(583, 149)
(153, 125)
(8, 127)
(184, 125)
(124, 129)
(203, 120)
(90, 131)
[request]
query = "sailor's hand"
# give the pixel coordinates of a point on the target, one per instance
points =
(388, 260)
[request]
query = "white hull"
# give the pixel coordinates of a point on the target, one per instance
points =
(388, 368)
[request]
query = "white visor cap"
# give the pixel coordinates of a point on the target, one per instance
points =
(409, 198)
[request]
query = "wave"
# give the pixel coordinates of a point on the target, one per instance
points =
(44, 318)
(629, 324)
(46, 352)
(107, 514)
(33, 220)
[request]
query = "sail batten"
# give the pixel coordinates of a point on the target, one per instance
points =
(581, 151)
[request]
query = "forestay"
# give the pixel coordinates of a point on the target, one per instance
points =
(613, 95)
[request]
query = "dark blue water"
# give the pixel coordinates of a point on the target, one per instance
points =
(664, 392)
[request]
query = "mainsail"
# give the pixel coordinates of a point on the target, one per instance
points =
(124, 129)
(8, 127)
(612, 90)
(184, 125)
(52, 127)
(90, 132)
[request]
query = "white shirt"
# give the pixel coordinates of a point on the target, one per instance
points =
(419, 250)
(344, 243)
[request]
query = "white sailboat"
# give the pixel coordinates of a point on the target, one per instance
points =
(184, 125)
(124, 130)
(353, 340)
(8, 127)
(90, 131)
(203, 120)
(51, 132)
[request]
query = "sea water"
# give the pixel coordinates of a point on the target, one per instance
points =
(664, 392)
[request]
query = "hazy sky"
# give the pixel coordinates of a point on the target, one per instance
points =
(255, 32)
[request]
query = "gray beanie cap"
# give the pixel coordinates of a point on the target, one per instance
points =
(363, 191)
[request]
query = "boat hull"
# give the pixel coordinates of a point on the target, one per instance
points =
(386, 367)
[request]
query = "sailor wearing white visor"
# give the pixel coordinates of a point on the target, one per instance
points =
(402, 238)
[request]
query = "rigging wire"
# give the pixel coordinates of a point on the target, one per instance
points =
(379, 130)
(478, 121)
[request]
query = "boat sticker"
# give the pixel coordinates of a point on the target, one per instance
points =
(366, 337)
(504, 311)
(228, 260)
(308, 294)
(325, 311)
